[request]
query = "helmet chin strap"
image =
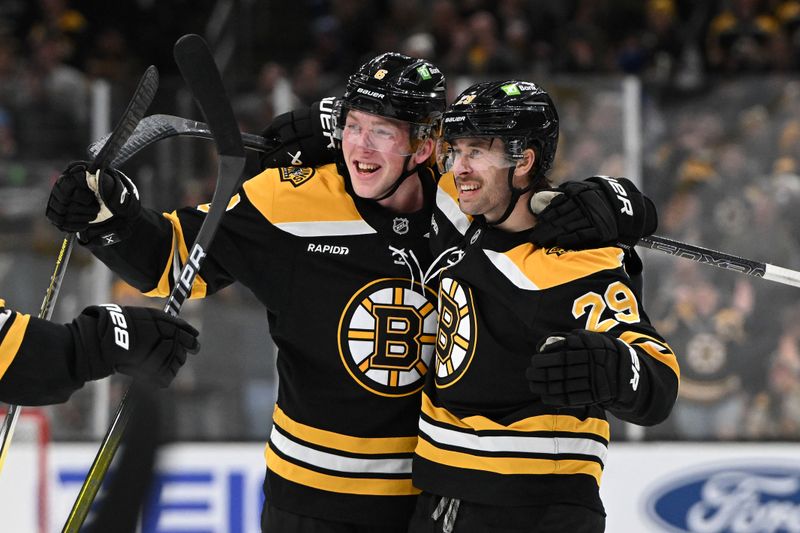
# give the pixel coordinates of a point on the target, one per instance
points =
(399, 181)
(515, 195)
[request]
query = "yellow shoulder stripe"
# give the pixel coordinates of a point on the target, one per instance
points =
(542, 268)
(321, 197)
(163, 288)
(448, 184)
(447, 202)
(12, 340)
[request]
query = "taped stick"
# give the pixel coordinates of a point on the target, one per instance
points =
(158, 127)
(197, 66)
(140, 101)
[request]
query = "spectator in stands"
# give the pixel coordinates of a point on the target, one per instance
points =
(710, 334)
(741, 38)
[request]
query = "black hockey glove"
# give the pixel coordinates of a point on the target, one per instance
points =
(142, 342)
(598, 211)
(583, 368)
(99, 208)
(303, 137)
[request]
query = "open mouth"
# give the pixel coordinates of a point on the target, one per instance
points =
(468, 187)
(366, 168)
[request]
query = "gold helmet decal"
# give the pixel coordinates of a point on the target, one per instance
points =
(456, 334)
(387, 334)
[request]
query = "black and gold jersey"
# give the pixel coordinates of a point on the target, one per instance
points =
(36, 360)
(709, 341)
(12, 331)
(351, 310)
(484, 436)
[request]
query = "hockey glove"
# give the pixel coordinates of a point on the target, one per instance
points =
(100, 208)
(584, 368)
(595, 212)
(142, 342)
(301, 138)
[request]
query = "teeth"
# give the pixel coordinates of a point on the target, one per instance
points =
(468, 187)
(367, 167)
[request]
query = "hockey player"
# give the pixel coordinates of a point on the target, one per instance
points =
(44, 363)
(533, 344)
(339, 255)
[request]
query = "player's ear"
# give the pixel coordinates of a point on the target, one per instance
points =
(522, 171)
(424, 151)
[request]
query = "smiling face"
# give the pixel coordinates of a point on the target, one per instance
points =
(375, 149)
(480, 167)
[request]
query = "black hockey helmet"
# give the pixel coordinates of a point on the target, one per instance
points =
(519, 112)
(397, 86)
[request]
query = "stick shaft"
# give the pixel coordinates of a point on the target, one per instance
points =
(197, 66)
(722, 260)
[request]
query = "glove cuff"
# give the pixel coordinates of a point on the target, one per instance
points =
(635, 213)
(630, 376)
(87, 331)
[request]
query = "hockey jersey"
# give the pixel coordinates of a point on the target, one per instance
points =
(36, 360)
(484, 437)
(351, 310)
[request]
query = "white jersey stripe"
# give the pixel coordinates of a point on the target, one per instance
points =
(4, 316)
(450, 208)
(509, 269)
(513, 444)
(326, 228)
(335, 462)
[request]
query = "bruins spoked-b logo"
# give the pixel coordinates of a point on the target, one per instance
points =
(386, 336)
(296, 175)
(456, 334)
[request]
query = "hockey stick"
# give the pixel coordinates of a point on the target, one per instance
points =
(140, 101)
(197, 66)
(721, 260)
(157, 127)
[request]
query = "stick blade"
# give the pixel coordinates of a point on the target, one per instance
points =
(140, 101)
(198, 69)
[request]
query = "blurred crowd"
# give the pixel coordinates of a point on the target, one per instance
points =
(720, 115)
(50, 49)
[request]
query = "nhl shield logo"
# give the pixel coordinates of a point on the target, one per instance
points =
(400, 225)
(296, 176)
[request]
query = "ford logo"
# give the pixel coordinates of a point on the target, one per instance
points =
(734, 498)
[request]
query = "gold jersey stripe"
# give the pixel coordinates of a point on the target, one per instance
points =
(12, 341)
(321, 198)
(345, 443)
(345, 485)
(645, 342)
(447, 202)
(546, 270)
(566, 423)
(508, 465)
(163, 289)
